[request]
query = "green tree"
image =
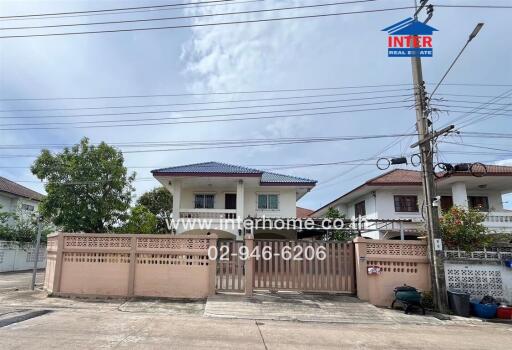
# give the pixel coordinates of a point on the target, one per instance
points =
(5, 229)
(141, 221)
(343, 235)
(463, 228)
(88, 188)
(21, 226)
(159, 202)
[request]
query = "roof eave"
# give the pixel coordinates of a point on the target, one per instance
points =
(306, 184)
(206, 174)
(23, 196)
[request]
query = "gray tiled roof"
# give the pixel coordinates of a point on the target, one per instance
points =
(8, 186)
(223, 168)
(280, 178)
(208, 167)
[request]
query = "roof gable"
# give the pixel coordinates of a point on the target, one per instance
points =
(11, 187)
(396, 177)
(404, 177)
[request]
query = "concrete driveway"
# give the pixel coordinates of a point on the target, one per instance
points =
(304, 307)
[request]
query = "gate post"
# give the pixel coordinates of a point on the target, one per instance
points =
(361, 269)
(59, 255)
(212, 264)
(133, 262)
(249, 266)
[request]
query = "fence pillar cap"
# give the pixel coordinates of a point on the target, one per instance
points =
(249, 236)
(360, 240)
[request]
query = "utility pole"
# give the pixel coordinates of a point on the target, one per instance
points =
(36, 252)
(425, 140)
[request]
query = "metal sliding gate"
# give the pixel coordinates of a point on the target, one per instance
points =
(309, 266)
(316, 266)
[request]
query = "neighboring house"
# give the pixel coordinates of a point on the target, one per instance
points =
(15, 197)
(213, 192)
(303, 212)
(397, 194)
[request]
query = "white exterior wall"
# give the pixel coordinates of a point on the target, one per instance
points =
(11, 203)
(386, 203)
(287, 199)
(14, 257)
(188, 196)
(382, 205)
(479, 279)
(6, 203)
(287, 202)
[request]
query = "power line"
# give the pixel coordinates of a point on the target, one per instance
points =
(231, 144)
(208, 120)
(203, 103)
(198, 25)
(338, 176)
(244, 92)
(472, 107)
(260, 166)
(207, 109)
(467, 101)
(190, 16)
(480, 146)
(206, 142)
(470, 38)
(123, 12)
(348, 87)
(188, 117)
(475, 6)
(467, 114)
(113, 9)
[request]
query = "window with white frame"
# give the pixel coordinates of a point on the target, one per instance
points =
(204, 201)
(27, 207)
(268, 201)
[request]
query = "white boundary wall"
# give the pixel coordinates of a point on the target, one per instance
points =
(480, 273)
(18, 257)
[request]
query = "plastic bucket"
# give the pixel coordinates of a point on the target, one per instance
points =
(459, 303)
(504, 312)
(484, 310)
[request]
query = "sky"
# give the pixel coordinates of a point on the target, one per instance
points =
(221, 63)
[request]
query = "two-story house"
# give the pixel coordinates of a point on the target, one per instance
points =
(15, 197)
(397, 195)
(210, 197)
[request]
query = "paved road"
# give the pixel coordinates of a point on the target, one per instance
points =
(109, 329)
(228, 323)
(19, 280)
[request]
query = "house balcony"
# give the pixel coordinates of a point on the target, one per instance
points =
(208, 214)
(499, 221)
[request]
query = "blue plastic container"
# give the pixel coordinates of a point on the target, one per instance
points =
(483, 310)
(508, 263)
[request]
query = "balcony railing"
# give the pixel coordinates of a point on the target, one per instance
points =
(498, 218)
(208, 213)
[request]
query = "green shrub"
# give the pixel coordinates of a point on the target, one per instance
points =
(463, 228)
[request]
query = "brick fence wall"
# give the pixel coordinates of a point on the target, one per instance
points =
(392, 264)
(130, 265)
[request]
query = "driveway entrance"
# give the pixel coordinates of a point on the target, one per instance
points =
(306, 266)
(280, 265)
